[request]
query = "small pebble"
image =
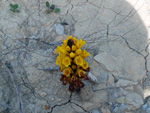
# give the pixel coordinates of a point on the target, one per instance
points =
(122, 107)
(95, 111)
(59, 29)
(116, 109)
(148, 110)
(144, 107)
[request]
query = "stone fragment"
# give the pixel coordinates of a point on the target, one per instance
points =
(122, 107)
(95, 111)
(59, 29)
(120, 99)
(107, 61)
(135, 70)
(92, 77)
(86, 93)
(138, 89)
(42, 94)
(115, 109)
(144, 107)
(133, 100)
(105, 110)
(148, 110)
(122, 83)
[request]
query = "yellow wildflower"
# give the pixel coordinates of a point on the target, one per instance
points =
(72, 54)
(68, 48)
(58, 49)
(78, 60)
(72, 63)
(66, 61)
(67, 71)
(78, 51)
(85, 65)
(63, 50)
(74, 47)
(85, 54)
(74, 66)
(62, 67)
(64, 43)
(58, 61)
(69, 37)
(74, 78)
(80, 72)
(75, 40)
(80, 43)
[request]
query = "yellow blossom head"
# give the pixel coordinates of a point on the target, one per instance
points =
(62, 67)
(78, 51)
(80, 72)
(58, 49)
(72, 55)
(74, 47)
(78, 60)
(85, 65)
(80, 43)
(67, 71)
(66, 61)
(75, 40)
(74, 67)
(68, 48)
(69, 37)
(85, 54)
(58, 61)
(72, 63)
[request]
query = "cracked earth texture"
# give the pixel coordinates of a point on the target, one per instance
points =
(117, 36)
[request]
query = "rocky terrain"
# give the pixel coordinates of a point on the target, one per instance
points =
(117, 36)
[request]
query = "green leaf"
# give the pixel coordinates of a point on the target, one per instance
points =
(47, 4)
(11, 5)
(17, 11)
(48, 11)
(57, 10)
(53, 6)
(12, 10)
(15, 6)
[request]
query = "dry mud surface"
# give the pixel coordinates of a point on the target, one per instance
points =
(117, 37)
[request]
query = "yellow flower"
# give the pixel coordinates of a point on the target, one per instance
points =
(80, 43)
(68, 48)
(80, 72)
(85, 54)
(74, 78)
(63, 50)
(66, 61)
(64, 43)
(74, 47)
(78, 60)
(69, 37)
(74, 66)
(67, 71)
(85, 65)
(58, 49)
(78, 51)
(75, 40)
(72, 55)
(62, 67)
(58, 61)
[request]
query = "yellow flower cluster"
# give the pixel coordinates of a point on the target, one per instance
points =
(72, 64)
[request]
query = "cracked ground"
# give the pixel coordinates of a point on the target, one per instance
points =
(117, 37)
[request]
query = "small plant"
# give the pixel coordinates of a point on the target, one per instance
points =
(72, 64)
(14, 8)
(51, 8)
(64, 23)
